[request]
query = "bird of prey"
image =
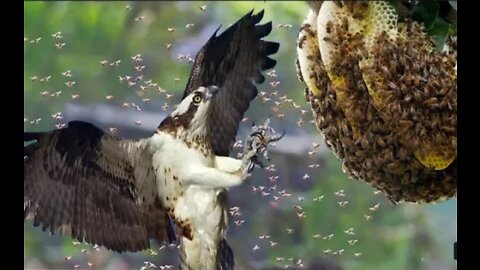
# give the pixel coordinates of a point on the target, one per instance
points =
(120, 193)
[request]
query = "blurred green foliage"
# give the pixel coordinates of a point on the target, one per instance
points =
(405, 236)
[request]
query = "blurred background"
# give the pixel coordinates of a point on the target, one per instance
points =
(301, 211)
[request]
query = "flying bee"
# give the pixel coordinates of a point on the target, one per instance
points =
(272, 73)
(116, 63)
(57, 35)
(328, 237)
(137, 58)
(67, 74)
(273, 178)
(70, 84)
(59, 46)
(239, 222)
(300, 122)
(349, 232)
(340, 193)
(37, 40)
(284, 26)
(139, 68)
(352, 241)
(274, 84)
(45, 79)
(301, 215)
(57, 116)
(36, 121)
(60, 126)
(165, 107)
(342, 203)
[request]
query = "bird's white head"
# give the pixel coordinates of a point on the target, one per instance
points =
(190, 116)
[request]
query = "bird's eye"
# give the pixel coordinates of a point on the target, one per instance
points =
(197, 99)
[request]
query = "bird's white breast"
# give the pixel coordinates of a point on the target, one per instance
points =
(197, 204)
(197, 210)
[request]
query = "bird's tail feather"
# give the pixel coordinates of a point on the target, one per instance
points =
(225, 256)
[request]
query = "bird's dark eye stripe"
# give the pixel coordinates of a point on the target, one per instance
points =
(198, 93)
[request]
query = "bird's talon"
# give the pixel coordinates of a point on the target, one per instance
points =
(256, 144)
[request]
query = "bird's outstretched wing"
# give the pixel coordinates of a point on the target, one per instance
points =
(234, 62)
(94, 186)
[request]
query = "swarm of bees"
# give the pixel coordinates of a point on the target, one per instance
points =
(384, 97)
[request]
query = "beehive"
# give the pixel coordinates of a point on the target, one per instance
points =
(384, 99)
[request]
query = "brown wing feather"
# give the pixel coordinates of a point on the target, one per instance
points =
(94, 186)
(233, 62)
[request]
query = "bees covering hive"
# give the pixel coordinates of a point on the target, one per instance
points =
(383, 97)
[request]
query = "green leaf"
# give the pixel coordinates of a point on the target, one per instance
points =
(426, 12)
(439, 32)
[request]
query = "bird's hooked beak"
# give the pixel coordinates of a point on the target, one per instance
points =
(211, 91)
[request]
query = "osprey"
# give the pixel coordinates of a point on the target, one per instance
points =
(120, 193)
